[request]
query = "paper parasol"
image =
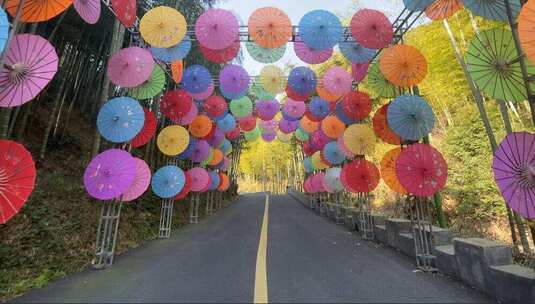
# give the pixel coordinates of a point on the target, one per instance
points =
(173, 140)
(526, 29)
(308, 125)
(410, 117)
(272, 79)
(337, 81)
(196, 79)
(185, 189)
(403, 65)
(189, 117)
(264, 55)
(120, 119)
(252, 135)
(388, 171)
(151, 87)
(333, 127)
(284, 138)
(141, 182)
(17, 178)
(326, 95)
(176, 52)
(417, 5)
(359, 71)
(89, 10)
(319, 107)
(218, 157)
(125, 10)
(214, 180)
(302, 80)
(147, 132)
(215, 106)
(317, 162)
(267, 109)
(110, 174)
(421, 170)
(381, 128)
(168, 181)
(200, 126)
(225, 182)
(318, 139)
(361, 175)
(242, 107)
(442, 9)
(234, 134)
(130, 67)
(287, 127)
(359, 139)
(37, 10)
(217, 29)
(492, 9)
(331, 153)
(177, 69)
(199, 179)
(371, 29)
(310, 55)
(163, 27)
(356, 53)
(356, 105)
(270, 27)
(378, 83)
(294, 109)
(269, 137)
(200, 152)
(4, 29)
(227, 123)
(332, 178)
(176, 104)
(217, 138)
(320, 29)
(234, 79)
(221, 56)
(189, 150)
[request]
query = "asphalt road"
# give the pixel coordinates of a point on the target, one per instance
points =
(309, 259)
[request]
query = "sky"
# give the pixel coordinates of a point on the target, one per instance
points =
(295, 9)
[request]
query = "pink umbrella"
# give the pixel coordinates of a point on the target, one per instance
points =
(234, 79)
(268, 125)
(204, 95)
(217, 29)
(89, 10)
(29, 65)
(267, 109)
(141, 182)
(337, 81)
(130, 67)
(294, 109)
(189, 117)
(208, 184)
(318, 139)
(200, 179)
(371, 29)
(359, 71)
(310, 55)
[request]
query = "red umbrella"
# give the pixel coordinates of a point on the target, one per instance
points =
(356, 105)
(17, 178)
(247, 123)
(176, 104)
(232, 135)
(125, 10)
(381, 128)
(147, 132)
(221, 56)
(295, 96)
(215, 106)
(371, 29)
(186, 189)
(361, 176)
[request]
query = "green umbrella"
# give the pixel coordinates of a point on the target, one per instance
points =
(150, 88)
(252, 135)
(491, 59)
(241, 107)
(260, 93)
(301, 135)
(264, 55)
(379, 84)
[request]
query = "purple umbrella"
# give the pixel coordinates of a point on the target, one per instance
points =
(234, 79)
(267, 109)
(294, 109)
(302, 80)
(196, 79)
(269, 137)
(514, 172)
(310, 55)
(201, 151)
(217, 138)
(287, 126)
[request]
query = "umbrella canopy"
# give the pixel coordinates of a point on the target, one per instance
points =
(37, 10)
(141, 181)
(284, 138)
(270, 27)
(301, 135)
(225, 182)
(359, 139)
(168, 181)
(318, 139)
(151, 87)
(176, 104)
(491, 59)
(215, 106)
(371, 29)
(403, 65)
(200, 152)
(492, 9)
(196, 79)
(30, 63)
(442, 9)
(320, 29)
(218, 157)
(4, 29)
(125, 11)
(333, 127)
(332, 178)
(265, 55)
(147, 132)
(287, 127)
(514, 172)
(89, 10)
(356, 53)
(120, 119)
(242, 107)
(163, 27)
(227, 123)
(176, 52)
(189, 117)
(200, 179)
(234, 79)
(417, 5)
(359, 71)
(217, 138)
(269, 137)
(381, 128)
(326, 95)
(337, 81)
(388, 171)
(110, 174)
(410, 117)
(317, 162)
(421, 170)
(17, 178)
(234, 134)
(177, 69)
(361, 176)
(294, 109)
(173, 140)
(252, 135)
(333, 154)
(214, 180)
(272, 79)
(189, 150)
(200, 126)
(310, 55)
(318, 107)
(378, 83)
(130, 67)
(204, 95)
(356, 105)
(302, 80)
(308, 125)
(526, 29)
(267, 109)
(221, 56)
(340, 114)
(217, 29)
(185, 189)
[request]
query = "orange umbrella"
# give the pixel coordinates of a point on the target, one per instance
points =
(200, 126)
(442, 9)
(177, 67)
(218, 157)
(388, 171)
(37, 10)
(270, 27)
(403, 65)
(526, 29)
(326, 95)
(308, 125)
(381, 128)
(332, 126)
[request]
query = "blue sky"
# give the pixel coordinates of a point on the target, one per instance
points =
(295, 10)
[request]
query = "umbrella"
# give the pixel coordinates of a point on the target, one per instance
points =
(176, 104)
(173, 140)
(200, 126)
(269, 137)
(294, 109)
(442, 9)
(333, 127)
(332, 179)
(215, 106)
(192, 143)
(196, 79)
(301, 135)
(234, 134)
(317, 162)
(125, 11)
(410, 117)
(252, 135)
(320, 29)
(147, 132)
(217, 138)
(388, 171)
(270, 27)
(337, 81)
(310, 55)
(168, 181)
(264, 55)
(217, 29)
(200, 152)
(326, 95)
(120, 119)
(381, 128)
(284, 138)
(378, 83)
(110, 174)
(318, 107)
(359, 139)
(234, 79)
(130, 67)
(221, 56)
(242, 107)
(421, 170)
(141, 182)
(514, 172)
(333, 154)
(272, 79)
(30, 63)
(417, 5)
(204, 95)
(318, 139)
(259, 92)
(212, 127)
(177, 68)
(290, 93)
(89, 10)
(225, 182)
(4, 29)
(342, 146)
(340, 114)
(214, 180)
(163, 27)
(308, 125)
(17, 178)
(218, 157)
(361, 176)
(185, 189)
(359, 71)
(231, 96)
(287, 127)
(403, 65)
(267, 109)
(371, 29)
(492, 62)
(268, 125)
(492, 9)
(199, 179)
(151, 87)
(356, 105)
(227, 123)
(526, 30)
(176, 52)
(356, 53)
(302, 80)
(189, 117)
(37, 10)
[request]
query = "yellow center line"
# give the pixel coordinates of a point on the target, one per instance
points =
(260, 284)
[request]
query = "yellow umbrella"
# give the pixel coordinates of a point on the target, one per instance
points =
(317, 162)
(163, 27)
(359, 139)
(272, 79)
(173, 140)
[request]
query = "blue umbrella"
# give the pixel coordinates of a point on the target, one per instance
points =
(196, 79)
(307, 163)
(176, 52)
(168, 181)
(320, 29)
(342, 116)
(4, 29)
(227, 123)
(302, 80)
(410, 117)
(225, 146)
(356, 53)
(332, 153)
(120, 119)
(417, 5)
(214, 178)
(492, 9)
(189, 150)
(319, 107)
